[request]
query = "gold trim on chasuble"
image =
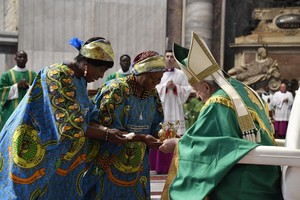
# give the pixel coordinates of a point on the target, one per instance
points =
(228, 103)
(3, 93)
(30, 77)
(171, 174)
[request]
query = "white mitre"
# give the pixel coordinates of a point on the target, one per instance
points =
(198, 64)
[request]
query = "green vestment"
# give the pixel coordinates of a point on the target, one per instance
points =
(207, 156)
(7, 80)
(115, 75)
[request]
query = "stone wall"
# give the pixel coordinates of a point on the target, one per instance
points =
(8, 33)
(132, 26)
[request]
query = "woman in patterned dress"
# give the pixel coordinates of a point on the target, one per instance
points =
(44, 153)
(130, 104)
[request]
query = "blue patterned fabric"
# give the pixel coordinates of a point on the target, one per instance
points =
(43, 153)
(125, 168)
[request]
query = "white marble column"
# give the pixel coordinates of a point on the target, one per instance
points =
(198, 18)
(11, 16)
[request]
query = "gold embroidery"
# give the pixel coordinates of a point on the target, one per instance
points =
(218, 99)
(227, 102)
(244, 122)
(171, 174)
(262, 125)
(253, 98)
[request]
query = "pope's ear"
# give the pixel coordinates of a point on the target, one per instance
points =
(207, 86)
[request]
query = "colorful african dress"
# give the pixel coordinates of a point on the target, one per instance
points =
(205, 162)
(43, 154)
(126, 170)
(7, 80)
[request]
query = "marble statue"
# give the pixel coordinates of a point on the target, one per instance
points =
(263, 68)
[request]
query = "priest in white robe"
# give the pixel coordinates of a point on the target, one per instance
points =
(173, 90)
(282, 103)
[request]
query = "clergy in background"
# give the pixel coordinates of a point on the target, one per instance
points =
(13, 86)
(282, 102)
(125, 70)
(173, 90)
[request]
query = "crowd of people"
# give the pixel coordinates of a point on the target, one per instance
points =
(57, 142)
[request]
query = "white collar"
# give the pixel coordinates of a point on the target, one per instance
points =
(16, 68)
(128, 72)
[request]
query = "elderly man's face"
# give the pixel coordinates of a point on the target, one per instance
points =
(203, 90)
(283, 87)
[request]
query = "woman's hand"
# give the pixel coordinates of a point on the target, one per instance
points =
(97, 131)
(116, 136)
(168, 145)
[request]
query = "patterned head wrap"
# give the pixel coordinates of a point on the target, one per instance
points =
(149, 61)
(97, 50)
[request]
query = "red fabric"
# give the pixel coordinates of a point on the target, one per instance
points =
(159, 161)
(280, 128)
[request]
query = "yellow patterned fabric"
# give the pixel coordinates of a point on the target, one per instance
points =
(98, 50)
(152, 64)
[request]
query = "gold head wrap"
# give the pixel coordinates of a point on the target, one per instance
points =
(199, 64)
(151, 64)
(98, 50)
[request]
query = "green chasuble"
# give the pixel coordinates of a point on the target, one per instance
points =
(205, 164)
(8, 79)
(115, 75)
